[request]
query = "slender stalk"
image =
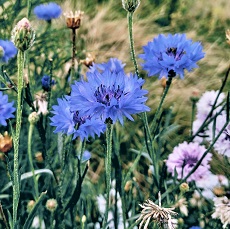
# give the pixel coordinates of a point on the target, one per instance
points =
(156, 116)
(194, 101)
(73, 54)
(131, 41)
(16, 186)
(3, 216)
(31, 128)
(109, 133)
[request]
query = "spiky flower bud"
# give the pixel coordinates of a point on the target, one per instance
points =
(33, 117)
(130, 5)
(23, 35)
(30, 205)
(51, 205)
(1, 52)
(73, 20)
(184, 187)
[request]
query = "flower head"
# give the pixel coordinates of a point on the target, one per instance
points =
(73, 20)
(222, 210)
(9, 50)
(130, 5)
(41, 103)
(6, 109)
(109, 95)
(113, 65)
(152, 211)
(206, 102)
(222, 145)
(183, 159)
(48, 11)
(47, 83)
(195, 227)
(6, 142)
(72, 122)
(171, 53)
(23, 35)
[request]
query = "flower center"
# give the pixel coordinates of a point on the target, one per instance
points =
(79, 120)
(177, 54)
(105, 94)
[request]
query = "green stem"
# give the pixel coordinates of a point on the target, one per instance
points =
(73, 55)
(109, 134)
(156, 116)
(131, 41)
(193, 115)
(31, 128)
(16, 186)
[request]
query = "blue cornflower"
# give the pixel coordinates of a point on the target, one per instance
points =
(172, 52)
(46, 82)
(195, 227)
(109, 95)
(9, 50)
(85, 156)
(48, 11)
(72, 122)
(6, 109)
(114, 65)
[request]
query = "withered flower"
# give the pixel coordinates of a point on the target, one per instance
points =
(88, 61)
(73, 20)
(162, 216)
(5, 142)
(41, 103)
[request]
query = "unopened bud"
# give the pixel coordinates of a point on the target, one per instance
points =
(38, 157)
(51, 205)
(33, 118)
(130, 5)
(30, 205)
(184, 187)
(23, 35)
(73, 20)
(5, 142)
(128, 185)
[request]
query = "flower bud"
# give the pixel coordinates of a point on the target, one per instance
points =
(51, 205)
(33, 118)
(73, 20)
(184, 187)
(2, 53)
(23, 35)
(38, 157)
(30, 205)
(5, 143)
(83, 219)
(130, 5)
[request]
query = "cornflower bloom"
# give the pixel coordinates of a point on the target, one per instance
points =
(171, 53)
(109, 95)
(195, 227)
(6, 109)
(70, 122)
(8, 49)
(222, 210)
(183, 159)
(222, 145)
(48, 11)
(46, 84)
(160, 215)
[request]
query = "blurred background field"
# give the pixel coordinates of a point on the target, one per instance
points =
(103, 34)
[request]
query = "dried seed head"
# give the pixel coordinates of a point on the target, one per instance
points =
(73, 20)
(130, 5)
(23, 35)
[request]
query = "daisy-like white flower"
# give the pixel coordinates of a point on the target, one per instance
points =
(222, 210)
(222, 145)
(205, 104)
(9, 50)
(48, 11)
(72, 122)
(183, 159)
(109, 95)
(171, 53)
(6, 109)
(162, 216)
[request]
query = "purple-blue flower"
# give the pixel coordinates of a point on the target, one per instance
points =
(114, 65)
(46, 82)
(6, 109)
(9, 50)
(195, 227)
(183, 159)
(172, 52)
(109, 94)
(73, 122)
(48, 11)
